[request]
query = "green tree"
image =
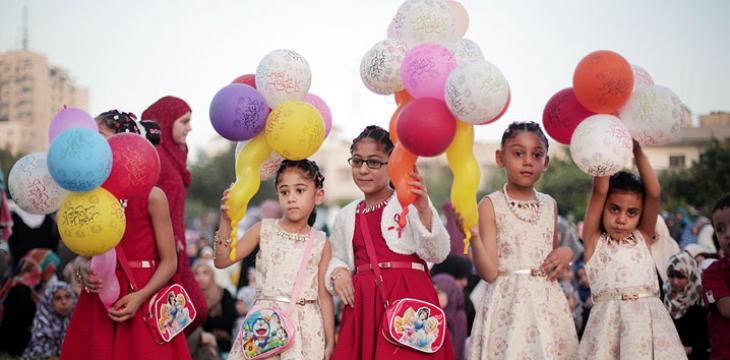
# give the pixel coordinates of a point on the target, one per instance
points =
(7, 160)
(564, 181)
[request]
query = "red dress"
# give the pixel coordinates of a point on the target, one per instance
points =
(360, 336)
(93, 335)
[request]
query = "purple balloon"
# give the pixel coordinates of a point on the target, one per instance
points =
(70, 117)
(323, 109)
(238, 112)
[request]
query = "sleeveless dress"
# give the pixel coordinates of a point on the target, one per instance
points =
(627, 329)
(277, 265)
(360, 336)
(92, 334)
(521, 316)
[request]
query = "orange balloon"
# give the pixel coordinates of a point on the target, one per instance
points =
(403, 97)
(603, 81)
(400, 166)
(393, 127)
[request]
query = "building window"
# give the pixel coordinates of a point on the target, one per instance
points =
(677, 162)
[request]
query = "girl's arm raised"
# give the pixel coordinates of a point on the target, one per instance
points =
(594, 215)
(325, 302)
(484, 242)
(245, 244)
(652, 195)
(127, 306)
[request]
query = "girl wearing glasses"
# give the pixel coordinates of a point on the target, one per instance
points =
(402, 258)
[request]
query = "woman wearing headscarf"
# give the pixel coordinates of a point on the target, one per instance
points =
(51, 322)
(173, 116)
(453, 296)
(20, 296)
(683, 294)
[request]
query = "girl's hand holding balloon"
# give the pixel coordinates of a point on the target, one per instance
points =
(418, 188)
(126, 307)
(88, 279)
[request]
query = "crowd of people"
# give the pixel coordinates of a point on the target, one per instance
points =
(627, 282)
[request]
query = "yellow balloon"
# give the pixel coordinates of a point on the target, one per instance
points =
(248, 181)
(91, 223)
(295, 130)
(465, 168)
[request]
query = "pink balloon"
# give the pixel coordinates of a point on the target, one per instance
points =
(70, 117)
(461, 17)
(109, 292)
(323, 109)
(425, 69)
(104, 264)
(562, 115)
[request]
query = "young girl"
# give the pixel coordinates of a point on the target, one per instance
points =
(683, 294)
(628, 320)
(120, 332)
(50, 322)
(402, 257)
(523, 314)
(282, 243)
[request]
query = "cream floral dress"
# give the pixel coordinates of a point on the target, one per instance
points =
(523, 316)
(277, 264)
(627, 329)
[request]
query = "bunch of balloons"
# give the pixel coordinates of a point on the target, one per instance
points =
(610, 103)
(443, 87)
(273, 117)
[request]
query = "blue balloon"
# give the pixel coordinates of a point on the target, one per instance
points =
(79, 159)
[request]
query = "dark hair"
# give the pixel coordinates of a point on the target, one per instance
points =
(310, 170)
(455, 265)
(722, 203)
(527, 126)
(378, 134)
(625, 181)
(153, 132)
(121, 122)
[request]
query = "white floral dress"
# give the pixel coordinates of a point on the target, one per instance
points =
(627, 329)
(277, 265)
(523, 316)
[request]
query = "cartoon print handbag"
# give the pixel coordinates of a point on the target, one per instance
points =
(169, 311)
(268, 331)
(407, 322)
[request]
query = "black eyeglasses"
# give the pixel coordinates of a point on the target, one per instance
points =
(372, 163)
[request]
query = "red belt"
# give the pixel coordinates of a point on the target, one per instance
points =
(142, 264)
(392, 265)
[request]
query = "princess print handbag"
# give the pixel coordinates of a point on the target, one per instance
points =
(407, 322)
(268, 331)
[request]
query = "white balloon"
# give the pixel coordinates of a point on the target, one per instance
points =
(380, 67)
(653, 115)
(32, 187)
(268, 168)
(426, 21)
(476, 92)
(601, 145)
(283, 75)
(395, 29)
(467, 51)
(641, 77)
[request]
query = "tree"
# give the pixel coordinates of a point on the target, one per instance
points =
(564, 181)
(7, 160)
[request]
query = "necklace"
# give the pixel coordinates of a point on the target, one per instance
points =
(629, 240)
(371, 208)
(288, 235)
(527, 211)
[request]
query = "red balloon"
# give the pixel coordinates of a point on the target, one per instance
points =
(501, 113)
(603, 81)
(135, 166)
(426, 127)
(248, 79)
(562, 114)
(401, 164)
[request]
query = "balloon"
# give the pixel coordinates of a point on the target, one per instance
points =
(603, 81)
(91, 223)
(562, 114)
(465, 168)
(601, 145)
(323, 109)
(400, 166)
(247, 182)
(380, 67)
(295, 130)
(109, 292)
(269, 167)
(403, 97)
(395, 28)
(393, 126)
(425, 69)
(238, 112)
(79, 159)
(501, 113)
(476, 92)
(69, 118)
(135, 166)
(653, 115)
(461, 17)
(283, 75)
(426, 21)
(32, 187)
(641, 77)
(426, 127)
(104, 266)
(467, 51)
(248, 79)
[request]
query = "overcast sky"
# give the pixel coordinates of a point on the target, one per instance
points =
(129, 53)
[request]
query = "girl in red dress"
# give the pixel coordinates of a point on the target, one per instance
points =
(120, 332)
(406, 274)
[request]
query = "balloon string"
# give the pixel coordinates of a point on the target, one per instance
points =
(467, 240)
